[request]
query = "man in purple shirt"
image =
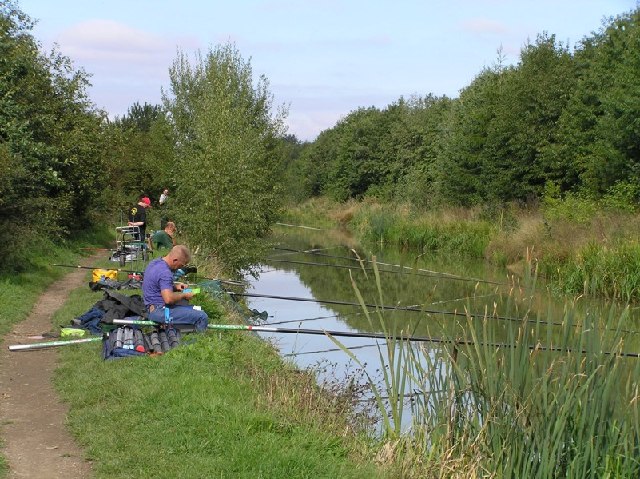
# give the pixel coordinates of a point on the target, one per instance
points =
(167, 301)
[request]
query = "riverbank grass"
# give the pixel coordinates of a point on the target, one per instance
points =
(221, 405)
(578, 245)
(538, 397)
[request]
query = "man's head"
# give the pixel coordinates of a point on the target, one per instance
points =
(144, 201)
(170, 228)
(166, 191)
(178, 257)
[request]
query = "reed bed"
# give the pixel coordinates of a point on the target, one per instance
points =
(598, 270)
(444, 232)
(548, 401)
(579, 246)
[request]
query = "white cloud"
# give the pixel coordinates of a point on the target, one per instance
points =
(106, 39)
(113, 48)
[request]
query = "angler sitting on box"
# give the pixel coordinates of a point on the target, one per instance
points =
(166, 301)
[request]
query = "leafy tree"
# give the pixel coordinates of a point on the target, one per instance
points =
(49, 137)
(418, 138)
(462, 166)
(501, 125)
(599, 130)
(228, 165)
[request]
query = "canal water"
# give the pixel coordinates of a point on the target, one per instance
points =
(443, 294)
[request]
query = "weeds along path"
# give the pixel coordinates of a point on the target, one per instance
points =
(32, 417)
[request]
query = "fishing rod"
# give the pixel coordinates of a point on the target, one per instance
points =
(188, 270)
(359, 260)
(332, 350)
(357, 313)
(417, 308)
(51, 344)
(341, 266)
(300, 226)
(386, 337)
(224, 281)
(312, 250)
(95, 267)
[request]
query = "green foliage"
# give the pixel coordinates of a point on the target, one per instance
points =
(140, 157)
(560, 116)
(422, 233)
(622, 196)
(228, 158)
(598, 270)
(576, 207)
(220, 405)
(50, 148)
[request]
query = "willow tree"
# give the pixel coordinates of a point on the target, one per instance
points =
(227, 164)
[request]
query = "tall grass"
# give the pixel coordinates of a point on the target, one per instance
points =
(547, 401)
(580, 245)
(599, 270)
(445, 232)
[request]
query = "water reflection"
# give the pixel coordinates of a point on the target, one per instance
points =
(444, 301)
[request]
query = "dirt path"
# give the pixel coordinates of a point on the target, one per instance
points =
(32, 417)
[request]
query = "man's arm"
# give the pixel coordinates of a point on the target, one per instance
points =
(172, 297)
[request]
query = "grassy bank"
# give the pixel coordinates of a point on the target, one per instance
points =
(578, 246)
(221, 405)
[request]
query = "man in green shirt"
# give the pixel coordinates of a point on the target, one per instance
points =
(165, 238)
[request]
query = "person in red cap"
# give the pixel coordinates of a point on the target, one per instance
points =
(138, 215)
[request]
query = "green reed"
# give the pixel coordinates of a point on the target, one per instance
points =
(389, 398)
(422, 232)
(596, 269)
(523, 399)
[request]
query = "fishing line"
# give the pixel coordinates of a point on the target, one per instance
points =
(418, 309)
(413, 273)
(359, 260)
(387, 337)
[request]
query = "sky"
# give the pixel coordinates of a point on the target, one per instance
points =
(322, 58)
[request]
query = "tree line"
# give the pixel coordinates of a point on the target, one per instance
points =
(560, 120)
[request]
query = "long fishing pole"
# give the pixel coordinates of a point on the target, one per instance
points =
(386, 337)
(95, 267)
(51, 344)
(418, 309)
(300, 226)
(448, 275)
(312, 250)
(225, 281)
(342, 266)
(331, 350)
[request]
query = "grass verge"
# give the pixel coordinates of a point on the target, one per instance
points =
(221, 405)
